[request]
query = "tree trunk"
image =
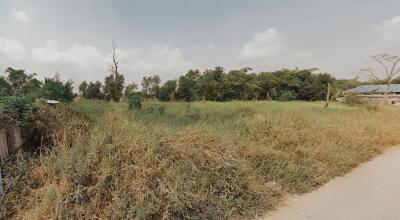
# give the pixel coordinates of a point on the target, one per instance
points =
(327, 96)
(387, 92)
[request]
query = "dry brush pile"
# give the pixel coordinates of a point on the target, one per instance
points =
(120, 167)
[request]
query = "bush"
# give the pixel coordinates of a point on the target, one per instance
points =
(135, 102)
(55, 89)
(352, 99)
(14, 111)
(287, 96)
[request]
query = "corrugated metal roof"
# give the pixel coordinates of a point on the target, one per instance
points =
(375, 89)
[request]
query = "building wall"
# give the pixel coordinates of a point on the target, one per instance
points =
(375, 99)
(381, 99)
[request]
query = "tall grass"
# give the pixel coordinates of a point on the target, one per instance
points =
(200, 160)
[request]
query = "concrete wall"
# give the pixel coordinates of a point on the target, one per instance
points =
(375, 99)
(380, 99)
(18, 141)
(3, 145)
(10, 141)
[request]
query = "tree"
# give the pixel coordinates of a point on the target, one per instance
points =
(287, 96)
(5, 88)
(167, 91)
(332, 94)
(313, 86)
(113, 87)
(267, 83)
(186, 88)
(389, 69)
(82, 88)
(130, 89)
(22, 83)
(241, 85)
(55, 89)
(93, 91)
(212, 84)
(114, 83)
(151, 85)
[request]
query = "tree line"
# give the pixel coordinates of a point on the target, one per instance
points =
(218, 85)
(212, 84)
(20, 84)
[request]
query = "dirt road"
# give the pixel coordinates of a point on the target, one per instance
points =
(371, 191)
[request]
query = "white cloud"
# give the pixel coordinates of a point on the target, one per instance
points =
(154, 59)
(77, 54)
(22, 16)
(49, 54)
(11, 49)
(133, 63)
(270, 45)
(389, 29)
(263, 45)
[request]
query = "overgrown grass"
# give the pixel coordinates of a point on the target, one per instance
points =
(201, 160)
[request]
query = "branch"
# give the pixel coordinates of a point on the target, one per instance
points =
(392, 74)
(371, 73)
(115, 63)
(377, 58)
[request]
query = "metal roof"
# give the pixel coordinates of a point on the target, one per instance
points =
(394, 88)
(52, 101)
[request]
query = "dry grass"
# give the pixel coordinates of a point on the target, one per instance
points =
(214, 161)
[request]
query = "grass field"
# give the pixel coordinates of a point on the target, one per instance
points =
(201, 160)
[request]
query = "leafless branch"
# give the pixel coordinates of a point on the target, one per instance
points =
(115, 63)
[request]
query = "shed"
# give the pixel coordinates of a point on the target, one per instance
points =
(375, 94)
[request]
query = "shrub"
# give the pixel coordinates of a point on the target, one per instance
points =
(287, 96)
(5, 88)
(55, 89)
(14, 111)
(135, 102)
(352, 99)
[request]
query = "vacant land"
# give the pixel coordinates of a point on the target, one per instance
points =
(201, 160)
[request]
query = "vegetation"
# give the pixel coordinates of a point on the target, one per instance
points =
(55, 89)
(182, 160)
(200, 160)
(134, 102)
(218, 85)
(20, 84)
(14, 111)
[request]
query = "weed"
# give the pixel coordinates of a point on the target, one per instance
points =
(207, 161)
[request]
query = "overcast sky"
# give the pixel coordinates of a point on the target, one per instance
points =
(73, 37)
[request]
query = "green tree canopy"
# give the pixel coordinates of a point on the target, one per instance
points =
(167, 92)
(22, 83)
(113, 87)
(151, 86)
(5, 88)
(55, 89)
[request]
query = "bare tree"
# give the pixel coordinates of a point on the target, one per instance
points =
(332, 95)
(114, 67)
(389, 69)
(114, 83)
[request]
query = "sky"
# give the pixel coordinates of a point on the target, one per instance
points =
(74, 37)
